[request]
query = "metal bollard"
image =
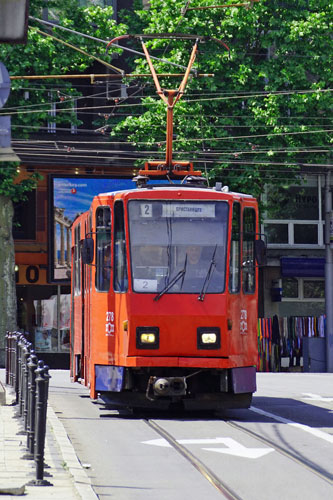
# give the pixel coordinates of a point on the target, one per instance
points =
(17, 368)
(7, 356)
(24, 381)
(31, 427)
(13, 359)
(21, 345)
(42, 384)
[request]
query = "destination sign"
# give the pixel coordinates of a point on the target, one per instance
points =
(177, 210)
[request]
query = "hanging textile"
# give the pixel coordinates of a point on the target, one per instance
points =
(283, 337)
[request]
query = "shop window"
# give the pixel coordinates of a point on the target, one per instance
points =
(306, 234)
(249, 235)
(313, 289)
(290, 288)
(44, 313)
(300, 289)
(234, 278)
(103, 248)
(276, 233)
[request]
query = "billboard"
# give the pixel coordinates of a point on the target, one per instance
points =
(68, 197)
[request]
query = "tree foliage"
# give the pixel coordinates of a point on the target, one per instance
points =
(30, 103)
(43, 55)
(267, 111)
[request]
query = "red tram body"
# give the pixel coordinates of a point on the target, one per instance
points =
(164, 297)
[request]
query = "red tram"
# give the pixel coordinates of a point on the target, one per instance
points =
(165, 290)
(164, 297)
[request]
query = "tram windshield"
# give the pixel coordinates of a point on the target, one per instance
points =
(178, 246)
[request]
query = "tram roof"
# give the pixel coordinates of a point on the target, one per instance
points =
(164, 188)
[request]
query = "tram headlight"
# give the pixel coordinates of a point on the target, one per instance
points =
(147, 337)
(208, 338)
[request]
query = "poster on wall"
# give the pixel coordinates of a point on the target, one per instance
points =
(68, 197)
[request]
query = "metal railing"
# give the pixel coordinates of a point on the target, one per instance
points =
(29, 377)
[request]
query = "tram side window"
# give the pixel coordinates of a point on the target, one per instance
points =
(120, 278)
(249, 236)
(103, 248)
(77, 261)
(234, 277)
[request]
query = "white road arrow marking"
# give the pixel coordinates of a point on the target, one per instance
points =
(316, 397)
(238, 450)
(232, 447)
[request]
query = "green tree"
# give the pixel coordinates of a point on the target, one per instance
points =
(267, 111)
(42, 55)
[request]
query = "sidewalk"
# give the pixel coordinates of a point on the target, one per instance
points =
(67, 476)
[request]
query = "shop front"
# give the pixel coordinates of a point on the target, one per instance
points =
(43, 311)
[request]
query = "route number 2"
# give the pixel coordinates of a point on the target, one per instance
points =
(146, 210)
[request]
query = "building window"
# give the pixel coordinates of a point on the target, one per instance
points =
(305, 289)
(294, 215)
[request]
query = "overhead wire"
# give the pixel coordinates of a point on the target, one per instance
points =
(105, 42)
(115, 158)
(118, 70)
(157, 102)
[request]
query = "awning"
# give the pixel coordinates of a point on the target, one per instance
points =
(306, 267)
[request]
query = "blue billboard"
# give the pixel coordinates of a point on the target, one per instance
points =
(69, 196)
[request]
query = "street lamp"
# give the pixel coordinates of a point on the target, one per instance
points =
(13, 21)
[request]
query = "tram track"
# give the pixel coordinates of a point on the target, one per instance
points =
(208, 474)
(314, 468)
(220, 484)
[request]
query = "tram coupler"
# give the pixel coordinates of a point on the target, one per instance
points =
(166, 386)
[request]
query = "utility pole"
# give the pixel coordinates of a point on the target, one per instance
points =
(329, 272)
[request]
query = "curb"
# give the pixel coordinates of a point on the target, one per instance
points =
(82, 482)
(2, 394)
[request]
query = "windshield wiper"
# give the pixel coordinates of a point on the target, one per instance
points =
(209, 275)
(174, 280)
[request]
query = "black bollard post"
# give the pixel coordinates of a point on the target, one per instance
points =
(13, 359)
(32, 365)
(24, 381)
(42, 383)
(7, 356)
(17, 368)
(10, 358)
(21, 345)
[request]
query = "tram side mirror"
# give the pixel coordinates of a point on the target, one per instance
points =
(260, 252)
(87, 251)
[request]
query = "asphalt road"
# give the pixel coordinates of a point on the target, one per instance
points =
(281, 448)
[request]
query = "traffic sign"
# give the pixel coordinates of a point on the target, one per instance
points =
(4, 84)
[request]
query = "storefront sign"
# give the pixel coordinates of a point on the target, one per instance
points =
(31, 275)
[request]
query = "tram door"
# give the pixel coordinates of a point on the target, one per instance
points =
(242, 280)
(248, 313)
(77, 321)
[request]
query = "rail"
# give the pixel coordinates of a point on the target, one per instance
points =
(29, 378)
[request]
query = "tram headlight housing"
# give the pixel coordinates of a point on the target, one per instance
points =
(147, 337)
(208, 337)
